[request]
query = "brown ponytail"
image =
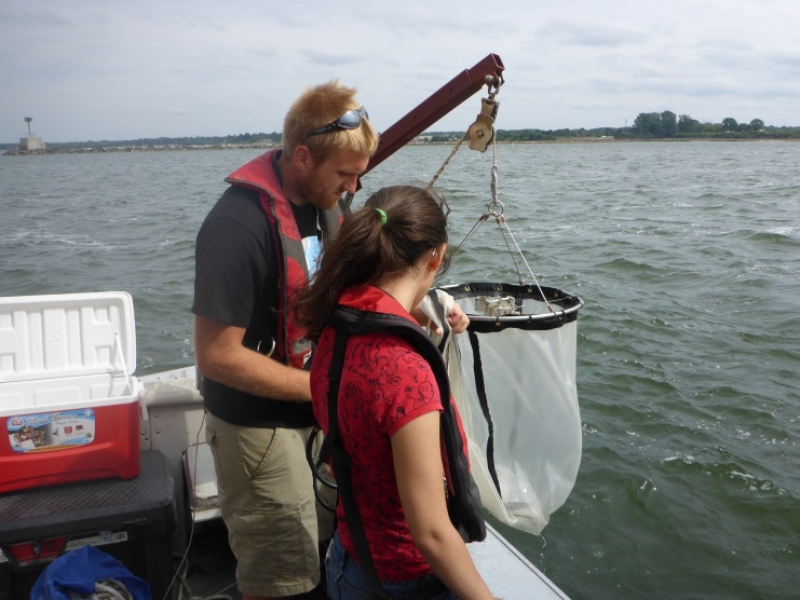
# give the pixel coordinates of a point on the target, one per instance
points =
(387, 235)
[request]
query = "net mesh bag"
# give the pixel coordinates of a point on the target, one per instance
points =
(513, 379)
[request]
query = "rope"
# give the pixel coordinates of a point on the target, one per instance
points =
(182, 570)
(495, 170)
(447, 160)
(185, 589)
(183, 564)
(121, 357)
(315, 470)
(111, 589)
(494, 209)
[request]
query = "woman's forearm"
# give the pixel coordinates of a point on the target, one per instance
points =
(416, 450)
(446, 553)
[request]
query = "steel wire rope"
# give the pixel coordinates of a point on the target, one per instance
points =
(495, 174)
(491, 211)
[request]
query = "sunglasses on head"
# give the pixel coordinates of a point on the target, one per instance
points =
(349, 120)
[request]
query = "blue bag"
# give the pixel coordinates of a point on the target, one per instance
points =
(78, 572)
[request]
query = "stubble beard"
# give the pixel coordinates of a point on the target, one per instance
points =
(320, 198)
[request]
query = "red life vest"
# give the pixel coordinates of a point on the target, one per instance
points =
(291, 346)
(368, 309)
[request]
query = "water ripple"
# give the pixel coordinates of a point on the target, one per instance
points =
(686, 256)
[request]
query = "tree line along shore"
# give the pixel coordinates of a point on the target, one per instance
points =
(654, 126)
(558, 140)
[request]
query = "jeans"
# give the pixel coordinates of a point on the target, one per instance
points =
(346, 581)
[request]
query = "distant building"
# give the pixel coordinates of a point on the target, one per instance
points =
(31, 143)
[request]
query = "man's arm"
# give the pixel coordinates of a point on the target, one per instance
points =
(221, 356)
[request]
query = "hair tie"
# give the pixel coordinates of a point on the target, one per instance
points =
(383, 216)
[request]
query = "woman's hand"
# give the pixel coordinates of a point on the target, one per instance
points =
(457, 319)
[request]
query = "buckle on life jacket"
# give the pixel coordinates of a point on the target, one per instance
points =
(264, 351)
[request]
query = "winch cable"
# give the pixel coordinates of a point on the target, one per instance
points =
(453, 152)
(496, 210)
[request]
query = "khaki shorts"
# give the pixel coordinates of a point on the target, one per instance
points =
(267, 502)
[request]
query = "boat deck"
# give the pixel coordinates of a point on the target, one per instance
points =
(210, 569)
(211, 566)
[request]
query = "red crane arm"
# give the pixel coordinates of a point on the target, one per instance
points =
(488, 71)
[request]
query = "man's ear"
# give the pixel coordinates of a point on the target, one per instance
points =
(302, 158)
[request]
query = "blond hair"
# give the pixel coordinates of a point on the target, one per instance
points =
(316, 107)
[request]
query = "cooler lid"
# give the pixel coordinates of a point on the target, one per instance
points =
(66, 335)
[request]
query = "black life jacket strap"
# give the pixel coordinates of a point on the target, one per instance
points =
(480, 388)
(465, 510)
(342, 467)
(446, 332)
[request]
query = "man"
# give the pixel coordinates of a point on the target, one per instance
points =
(258, 244)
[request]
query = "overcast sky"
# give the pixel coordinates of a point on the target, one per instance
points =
(127, 69)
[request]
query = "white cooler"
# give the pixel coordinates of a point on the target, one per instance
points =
(69, 404)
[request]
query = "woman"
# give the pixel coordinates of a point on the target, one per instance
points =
(384, 261)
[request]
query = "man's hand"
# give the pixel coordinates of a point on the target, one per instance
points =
(221, 356)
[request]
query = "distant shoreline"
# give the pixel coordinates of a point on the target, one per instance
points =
(267, 146)
(165, 148)
(590, 140)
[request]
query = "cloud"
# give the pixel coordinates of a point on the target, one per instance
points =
(331, 58)
(101, 70)
(591, 34)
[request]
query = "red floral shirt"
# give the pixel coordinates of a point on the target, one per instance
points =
(385, 384)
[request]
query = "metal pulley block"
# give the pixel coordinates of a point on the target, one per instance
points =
(481, 131)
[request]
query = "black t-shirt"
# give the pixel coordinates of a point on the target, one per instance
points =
(236, 282)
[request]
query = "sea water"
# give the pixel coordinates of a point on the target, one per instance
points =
(687, 256)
